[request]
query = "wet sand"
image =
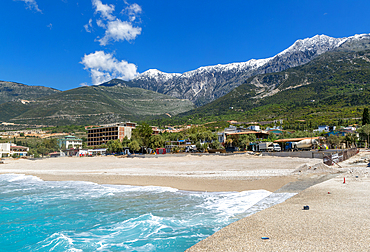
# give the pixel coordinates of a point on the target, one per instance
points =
(196, 173)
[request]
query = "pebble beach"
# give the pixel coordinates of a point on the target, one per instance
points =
(337, 218)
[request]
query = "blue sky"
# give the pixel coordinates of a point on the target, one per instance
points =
(67, 43)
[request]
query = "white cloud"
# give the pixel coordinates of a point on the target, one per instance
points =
(104, 9)
(119, 30)
(31, 4)
(115, 28)
(88, 26)
(100, 24)
(50, 26)
(104, 67)
(132, 10)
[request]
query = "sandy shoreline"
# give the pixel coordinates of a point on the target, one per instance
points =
(337, 220)
(205, 173)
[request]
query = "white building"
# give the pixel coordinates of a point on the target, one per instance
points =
(254, 127)
(9, 149)
(325, 128)
(69, 142)
(4, 149)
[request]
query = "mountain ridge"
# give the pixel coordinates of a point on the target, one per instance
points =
(335, 85)
(13, 91)
(208, 83)
(93, 105)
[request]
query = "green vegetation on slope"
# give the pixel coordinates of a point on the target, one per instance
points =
(10, 91)
(93, 105)
(333, 87)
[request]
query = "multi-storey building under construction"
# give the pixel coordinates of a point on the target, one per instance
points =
(101, 135)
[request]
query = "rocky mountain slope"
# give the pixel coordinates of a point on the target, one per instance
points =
(333, 86)
(11, 91)
(208, 83)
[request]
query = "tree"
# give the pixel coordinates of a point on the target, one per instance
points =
(366, 130)
(215, 145)
(134, 146)
(114, 146)
(125, 141)
(351, 138)
(84, 142)
(252, 138)
(143, 133)
(51, 144)
(365, 117)
(201, 147)
(42, 150)
(334, 140)
(156, 141)
(229, 142)
(244, 142)
(272, 137)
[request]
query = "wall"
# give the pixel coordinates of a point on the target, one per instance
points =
(301, 154)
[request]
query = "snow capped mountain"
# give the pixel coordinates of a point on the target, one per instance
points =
(319, 43)
(157, 75)
(207, 83)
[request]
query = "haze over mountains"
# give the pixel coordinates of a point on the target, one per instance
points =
(157, 94)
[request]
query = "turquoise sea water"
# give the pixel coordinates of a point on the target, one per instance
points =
(38, 215)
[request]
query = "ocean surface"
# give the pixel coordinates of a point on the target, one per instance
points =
(37, 215)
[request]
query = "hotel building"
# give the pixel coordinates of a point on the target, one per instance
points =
(101, 135)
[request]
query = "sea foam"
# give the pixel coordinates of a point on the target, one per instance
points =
(84, 216)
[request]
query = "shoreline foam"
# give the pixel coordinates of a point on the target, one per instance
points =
(288, 227)
(192, 173)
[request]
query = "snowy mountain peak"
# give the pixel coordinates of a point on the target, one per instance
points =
(356, 37)
(157, 75)
(207, 83)
(318, 43)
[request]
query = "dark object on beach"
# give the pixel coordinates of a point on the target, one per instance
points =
(306, 208)
(264, 238)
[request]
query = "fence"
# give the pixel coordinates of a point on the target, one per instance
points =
(340, 156)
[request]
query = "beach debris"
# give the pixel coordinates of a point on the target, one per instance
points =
(306, 208)
(264, 238)
(344, 180)
(328, 192)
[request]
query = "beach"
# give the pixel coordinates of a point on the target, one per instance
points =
(337, 219)
(188, 172)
